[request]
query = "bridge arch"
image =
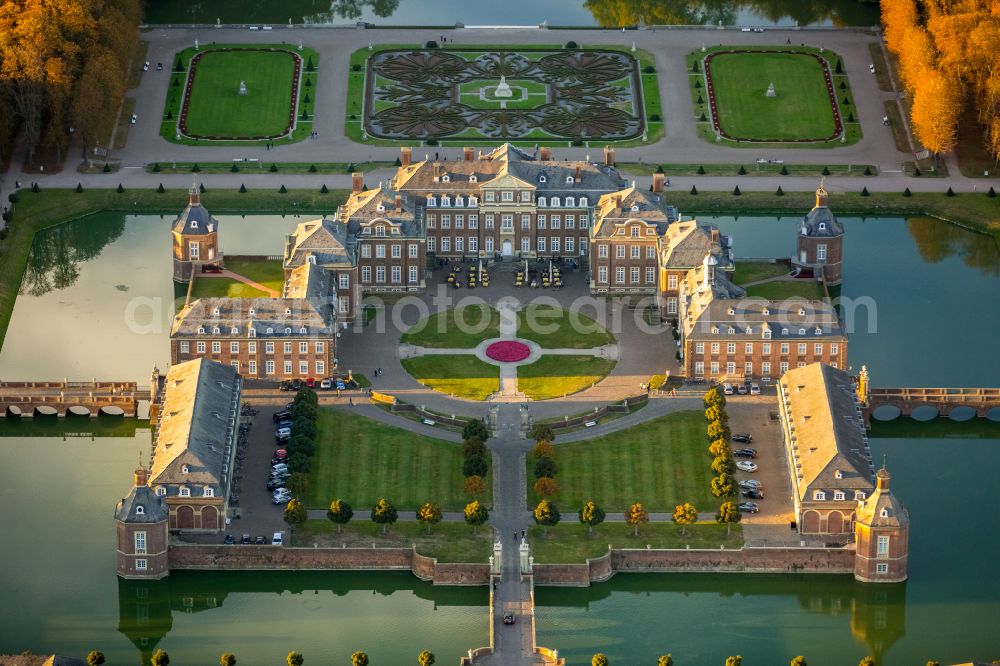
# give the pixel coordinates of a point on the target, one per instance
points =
(111, 410)
(77, 410)
(993, 414)
(886, 413)
(45, 410)
(925, 413)
(14, 411)
(962, 413)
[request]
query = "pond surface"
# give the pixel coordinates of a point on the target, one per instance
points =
(57, 571)
(605, 13)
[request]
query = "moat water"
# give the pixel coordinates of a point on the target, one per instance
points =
(935, 287)
(604, 13)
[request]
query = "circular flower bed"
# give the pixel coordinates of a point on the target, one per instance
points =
(508, 351)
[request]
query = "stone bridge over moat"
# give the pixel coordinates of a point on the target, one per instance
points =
(984, 401)
(62, 398)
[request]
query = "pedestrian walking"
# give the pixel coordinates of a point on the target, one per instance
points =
(350, 401)
(522, 534)
(515, 537)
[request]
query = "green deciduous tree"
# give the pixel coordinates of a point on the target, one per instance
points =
(635, 516)
(599, 659)
(476, 514)
(359, 659)
(339, 513)
(543, 449)
(95, 658)
(546, 514)
(294, 659)
(426, 658)
(475, 466)
(545, 467)
(475, 428)
(295, 513)
(590, 515)
(384, 514)
(474, 446)
(429, 514)
(684, 515)
(298, 484)
(160, 658)
(543, 432)
(728, 514)
(227, 659)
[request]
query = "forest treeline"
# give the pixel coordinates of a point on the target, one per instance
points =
(63, 64)
(948, 58)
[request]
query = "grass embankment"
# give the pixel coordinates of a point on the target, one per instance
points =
(361, 461)
(463, 376)
(47, 208)
(269, 274)
(751, 271)
(750, 168)
(661, 463)
(554, 328)
(455, 328)
(569, 541)
(779, 290)
(263, 168)
(448, 542)
(556, 376)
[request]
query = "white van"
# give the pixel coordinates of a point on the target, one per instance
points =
(277, 539)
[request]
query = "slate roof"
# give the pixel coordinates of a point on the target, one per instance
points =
(327, 240)
(820, 222)
(819, 402)
(686, 243)
(195, 219)
(309, 281)
(632, 203)
(880, 502)
(199, 408)
(317, 316)
(363, 208)
(801, 321)
(154, 508)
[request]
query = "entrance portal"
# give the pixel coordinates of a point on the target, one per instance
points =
(508, 248)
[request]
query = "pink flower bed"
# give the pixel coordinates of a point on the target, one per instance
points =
(508, 351)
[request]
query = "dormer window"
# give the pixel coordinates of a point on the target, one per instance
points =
(749, 330)
(784, 331)
(302, 330)
(459, 202)
(767, 334)
(822, 226)
(802, 331)
(160, 491)
(473, 178)
(215, 312)
(715, 330)
(802, 312)
(184, 492)
(251, 312)
(554, 202)
(209, 491)
(838, 474)
(185, 469)
(201, 330)
(379, 230)
(234, 331)
(367, 231)
(819, 495)
(838, 495)
(819, 331)
(140, 510)
(445, 202)
(215, 330)
(288, 312)
(431, 202)
(542, 178)
(541, 201)
(270, 330)
(731, 311)
(570, 201)
(732, 330)
(311, 259)
(635, 208)
(569, 180)
(380, 208)
(766, 311)
(884, 513)
(194, 224)
(252, 332)
(859, 495)
(473, 201)
(288, 330)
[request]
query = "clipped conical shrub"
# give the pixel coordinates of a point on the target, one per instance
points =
(839, 69)
(659, 169)
(283, 189)
(156, 167)
(779, 192)
(864, 191)
(309, 83)
(243, 188)
(324, 189)
(107, 168)
(700, 100)
(79, 187)
(274, 168)
(907, 193)
(843, 86)
(697, 84)
(161, 189)
(825, 171)
(35, 188)
(120, 189)
(992, 193)
(850, 117)
(784, 170)
(703, 118)
(306, 99)
(312, 168)
(305, 115)
(234, 168)
(950, 193)
(201, 188)
(195, 168)
(694, 66)
(701, 170)
(868, 171)
(694, 190)
(916, 171)
(398, 162)
(742, 171)
(736, 191)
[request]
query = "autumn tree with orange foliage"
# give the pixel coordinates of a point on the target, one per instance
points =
(937, 103)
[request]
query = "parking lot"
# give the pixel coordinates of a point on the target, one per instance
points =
(752, 414)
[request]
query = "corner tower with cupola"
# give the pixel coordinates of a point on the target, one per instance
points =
(142, 532)
(881, 535)
(195, 238)
(820, 243)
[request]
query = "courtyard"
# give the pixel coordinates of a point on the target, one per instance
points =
(530, 93)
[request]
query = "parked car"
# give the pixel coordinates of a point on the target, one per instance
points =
(746, 466)
(229, 540)
(508, 618)
(326, 384)
(276, 460)
(285, 385)
(742, 389)
(260, 540)
(274, 484)
(281, 499)
(751, 484)
(755, 389)
(748, 507)
(296, 384)
(211, 268)
(745, 453)
(742, 438)
(245, 539)
(310, 382)
(727, 388)
(277, 539)
(284, 415)
(283, 433)
(339, 383)
(282, 425)
(753, 494)
(280, 453)
(289, 405)
(134, 118)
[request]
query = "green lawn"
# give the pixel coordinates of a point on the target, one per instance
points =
(556, 376)
(801, 108)
(360, 461)
(555, 328)
(661, 463)
(464, 376)
(216, 107)
(751, 271)
(782, 289)
(268, 273)
(569, 541)
(456, 328)
(206, 286)
(448, 542)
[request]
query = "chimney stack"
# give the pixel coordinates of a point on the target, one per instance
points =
(545, 153)
(405, 154)
(468, 153)
(399, 203)
(357, 182)
(579, 173)
(658, 180)
(437, 172)
(609, 156)
(618, 201)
